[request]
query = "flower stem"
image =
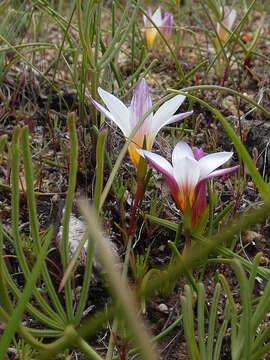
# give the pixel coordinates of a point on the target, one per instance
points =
(137, 198)
(129, 256)
(188, 242)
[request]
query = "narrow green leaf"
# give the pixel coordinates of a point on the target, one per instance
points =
(254, 271)
(187, 311)
(244, 334)
(5, 301)
(262, 308)
(64, 248)
(163, 222)
(3, 142)
(221, 334)
(99, 167)
(201, 323)
(192, 72)
(17, 314)
(223, 213)
(179, 257)
(212, 323)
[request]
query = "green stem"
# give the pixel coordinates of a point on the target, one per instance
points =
(87, 349)
(68, 207)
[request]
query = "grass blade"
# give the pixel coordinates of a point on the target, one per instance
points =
(17, 314)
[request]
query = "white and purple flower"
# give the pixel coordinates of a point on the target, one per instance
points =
(165, 24)
(188, 174)
(126, 118)
(229, 18)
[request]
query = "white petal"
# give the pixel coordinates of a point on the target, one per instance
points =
(187, 173)
(145, 20)
(158, 162)
(178, 117)
(181, 150)
(102, 109)
(119, 111)
(230, 19)
(165, 112)
(163, 166)
(157, 18)
(211, 162)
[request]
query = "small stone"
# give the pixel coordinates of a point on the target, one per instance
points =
(251, 237)
(161, 248)
(163, 308)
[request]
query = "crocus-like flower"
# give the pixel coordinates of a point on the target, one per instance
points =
(228, 22)
(165, 25)
(126, 118)
(188, 174)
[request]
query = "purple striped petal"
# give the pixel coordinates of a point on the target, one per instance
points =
(140, 104)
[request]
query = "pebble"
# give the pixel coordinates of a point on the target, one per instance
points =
(163, 308)
(251, 236)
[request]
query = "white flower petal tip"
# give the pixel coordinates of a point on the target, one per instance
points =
(211, 162)
(117, 111)
(102, 109)
(180, 97)
(182, 150)
(157, 17)
(229, 17)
